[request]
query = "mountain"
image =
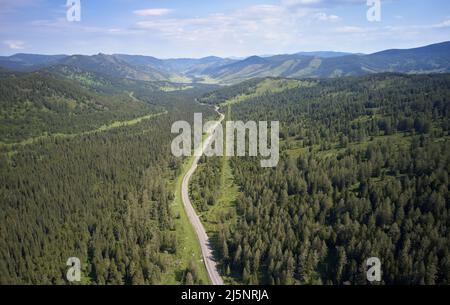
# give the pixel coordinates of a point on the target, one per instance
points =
(189, 67)
(322, 64)
(105, 84)
(146, 68)
(193, 67)
(429, 59)
(432, 58)
(29, 62)
(114, 66)
(254, 66)
(38, 103)
(324, 54)
(243, 69)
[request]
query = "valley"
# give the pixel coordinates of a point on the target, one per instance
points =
(129, 227)
(347, 186)
(216, 70)
(225, 152)
(86, 151)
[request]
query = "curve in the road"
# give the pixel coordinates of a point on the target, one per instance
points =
(205, 244)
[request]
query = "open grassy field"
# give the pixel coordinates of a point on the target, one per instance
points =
(188, 248)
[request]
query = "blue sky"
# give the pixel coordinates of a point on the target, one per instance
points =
(197, 28)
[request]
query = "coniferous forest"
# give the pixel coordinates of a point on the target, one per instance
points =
(364, 172)
(103, 196)
(86, 171)
(238, 152)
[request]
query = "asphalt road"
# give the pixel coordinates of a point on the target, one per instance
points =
(205, 244)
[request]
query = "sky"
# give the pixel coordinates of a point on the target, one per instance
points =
(226, 28)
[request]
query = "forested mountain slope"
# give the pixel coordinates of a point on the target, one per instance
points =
(433, 58)
(29, 62)
(364, 172)
(105, 197)
(429, 59)
(37, 103)
(114, 66)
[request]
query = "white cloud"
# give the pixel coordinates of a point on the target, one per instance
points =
(242, 31)
(152, 12)
(325, 17)
(257, 29)
(287, 27)
(301, 2)
(59, 24)
(443, 24)
(322, 3)
(349, 29)
(15, 44)
(263, 20)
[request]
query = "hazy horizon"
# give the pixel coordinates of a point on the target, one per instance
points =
(176, 29)
(212, 55)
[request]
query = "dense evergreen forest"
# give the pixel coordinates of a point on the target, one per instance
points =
(364, 172)
(69, 101)
(35, 103)
(104, 197)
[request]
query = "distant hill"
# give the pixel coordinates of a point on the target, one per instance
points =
(430, 59)
(322, 64)
(106, 84)
(29, 62)
(114, 66)
(324, 54)
(181, 68)
(37, 103)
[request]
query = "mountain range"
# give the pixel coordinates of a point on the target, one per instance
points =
(433, 58)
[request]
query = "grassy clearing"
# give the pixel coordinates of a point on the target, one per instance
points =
(270, 86)
(175, 78)
(225, 203)
(228, 194)
(103, 128)
(401, 139)
(205, 79)
(174, 88)
(188, 248)
(127, 123)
